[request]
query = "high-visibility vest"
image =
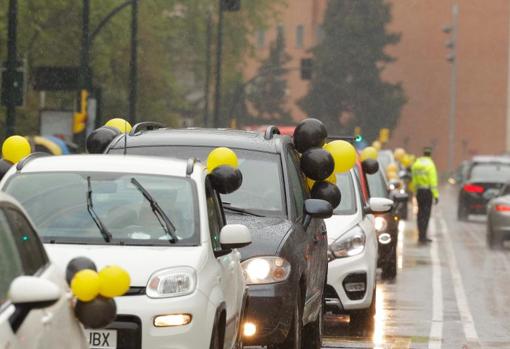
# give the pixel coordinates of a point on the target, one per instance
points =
(424, 175)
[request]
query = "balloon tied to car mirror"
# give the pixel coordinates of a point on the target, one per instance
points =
(100, 138)
(223, 169)
(321, 162)
(94, 291)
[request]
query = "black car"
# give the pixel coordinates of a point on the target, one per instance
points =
(484, 179)
(386, 224)
(286, 225)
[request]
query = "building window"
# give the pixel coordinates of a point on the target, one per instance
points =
(280, 31)
(261, 38)
(300, 36)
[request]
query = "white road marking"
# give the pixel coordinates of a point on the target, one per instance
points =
(466, 318)
(436, 328)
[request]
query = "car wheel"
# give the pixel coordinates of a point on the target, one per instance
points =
(389, 269)
(494, 241)
(294, 338)
(215, 339)
(362, 321)
(312, 335)
(462, 214)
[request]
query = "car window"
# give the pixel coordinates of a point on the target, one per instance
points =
(10, 262)
(377, 185)
(348, 202)
(29, 246)
(297, 183)
(492, 172)
(59, 208)
(214, 215)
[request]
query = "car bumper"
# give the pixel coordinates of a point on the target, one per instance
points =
(135, 323)
(474, 204)
(270, 308)
(345, 271)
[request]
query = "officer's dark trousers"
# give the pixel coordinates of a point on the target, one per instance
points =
(424, 198)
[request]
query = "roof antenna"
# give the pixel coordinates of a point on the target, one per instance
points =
(125, 136)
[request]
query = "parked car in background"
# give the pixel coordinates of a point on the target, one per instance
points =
(286, 264)
(484, 179)
(35, 310)
(385, 158)
(352, 239)
(159, 219)
(498, 218)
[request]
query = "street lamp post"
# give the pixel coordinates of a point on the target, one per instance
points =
(10, 123)
(133, 66)
(219, 58)
(453, 59)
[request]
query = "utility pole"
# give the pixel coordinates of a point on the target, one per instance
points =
(453, 59)
(207, 86)
(219, 58)
(10, 123)
(85, 73)
(133, 64)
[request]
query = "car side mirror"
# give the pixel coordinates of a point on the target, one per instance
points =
(29, 292)
(234, 236)
(379, 205)
(316, 208)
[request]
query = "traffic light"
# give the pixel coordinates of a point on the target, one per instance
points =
(306, 69)
(231, 5)
(384, 135)
(357, 134)
(16, 85)
(80, 117)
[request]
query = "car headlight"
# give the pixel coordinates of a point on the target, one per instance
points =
(350, 244)
(265, 270)
(174, 282)
(380, 223)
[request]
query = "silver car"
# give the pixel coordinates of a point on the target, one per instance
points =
(498, 218)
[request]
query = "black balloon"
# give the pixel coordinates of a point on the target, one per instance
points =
(317, 164)
(226, 179)
(327, 191)
(100, 138)
(4, 167)
(310, 133)
(97, 313)
(77, 264)
(370, 166)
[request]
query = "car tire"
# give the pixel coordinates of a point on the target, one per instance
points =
(295, 336)
(362, 321)
(494, 241)
(462, 213)
(389, 268)
(312, 334)
(215, 339)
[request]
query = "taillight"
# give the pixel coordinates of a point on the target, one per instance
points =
(503, 208)
(473, 188)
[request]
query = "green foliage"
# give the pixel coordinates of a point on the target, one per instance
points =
(171, 56)
(347, 89)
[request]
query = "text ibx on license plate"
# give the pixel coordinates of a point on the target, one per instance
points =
(102, 339)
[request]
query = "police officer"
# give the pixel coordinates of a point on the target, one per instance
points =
(424, 184)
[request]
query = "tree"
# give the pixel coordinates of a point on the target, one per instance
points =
(269, 89)
(346, 88)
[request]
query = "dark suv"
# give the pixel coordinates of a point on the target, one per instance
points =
(287, 262)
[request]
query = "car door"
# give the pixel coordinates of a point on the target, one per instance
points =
(316, 237)
(10, 268)
(228, 263)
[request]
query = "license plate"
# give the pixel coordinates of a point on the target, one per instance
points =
(102, 339)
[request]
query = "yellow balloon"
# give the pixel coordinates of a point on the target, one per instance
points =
(120, 124)
(399, 154)
(310, 182)
(406, 160)
(113, 281)
(368, 153)
(392, 175)
(392, 167)
(85, 285)
(15, 148)
(221, 157)
(344, 155)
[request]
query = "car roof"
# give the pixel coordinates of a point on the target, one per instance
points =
(109, 163)
(490, 158)
(204, 137)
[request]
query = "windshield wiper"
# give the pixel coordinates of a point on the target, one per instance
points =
(90, 208)
(163, 219)
(228, 206)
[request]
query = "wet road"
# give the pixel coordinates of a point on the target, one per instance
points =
(453, 293)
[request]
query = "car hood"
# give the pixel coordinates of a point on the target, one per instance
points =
(140, 261)
(267, 233)
(337, 225)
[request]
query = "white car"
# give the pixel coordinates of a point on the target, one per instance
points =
(159, 219)
(351, 285)
(35, 307)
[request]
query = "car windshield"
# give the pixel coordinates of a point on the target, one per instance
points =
(348, 203)
(490, 172)
(57, 204)
(377, 185)
(261, 190)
